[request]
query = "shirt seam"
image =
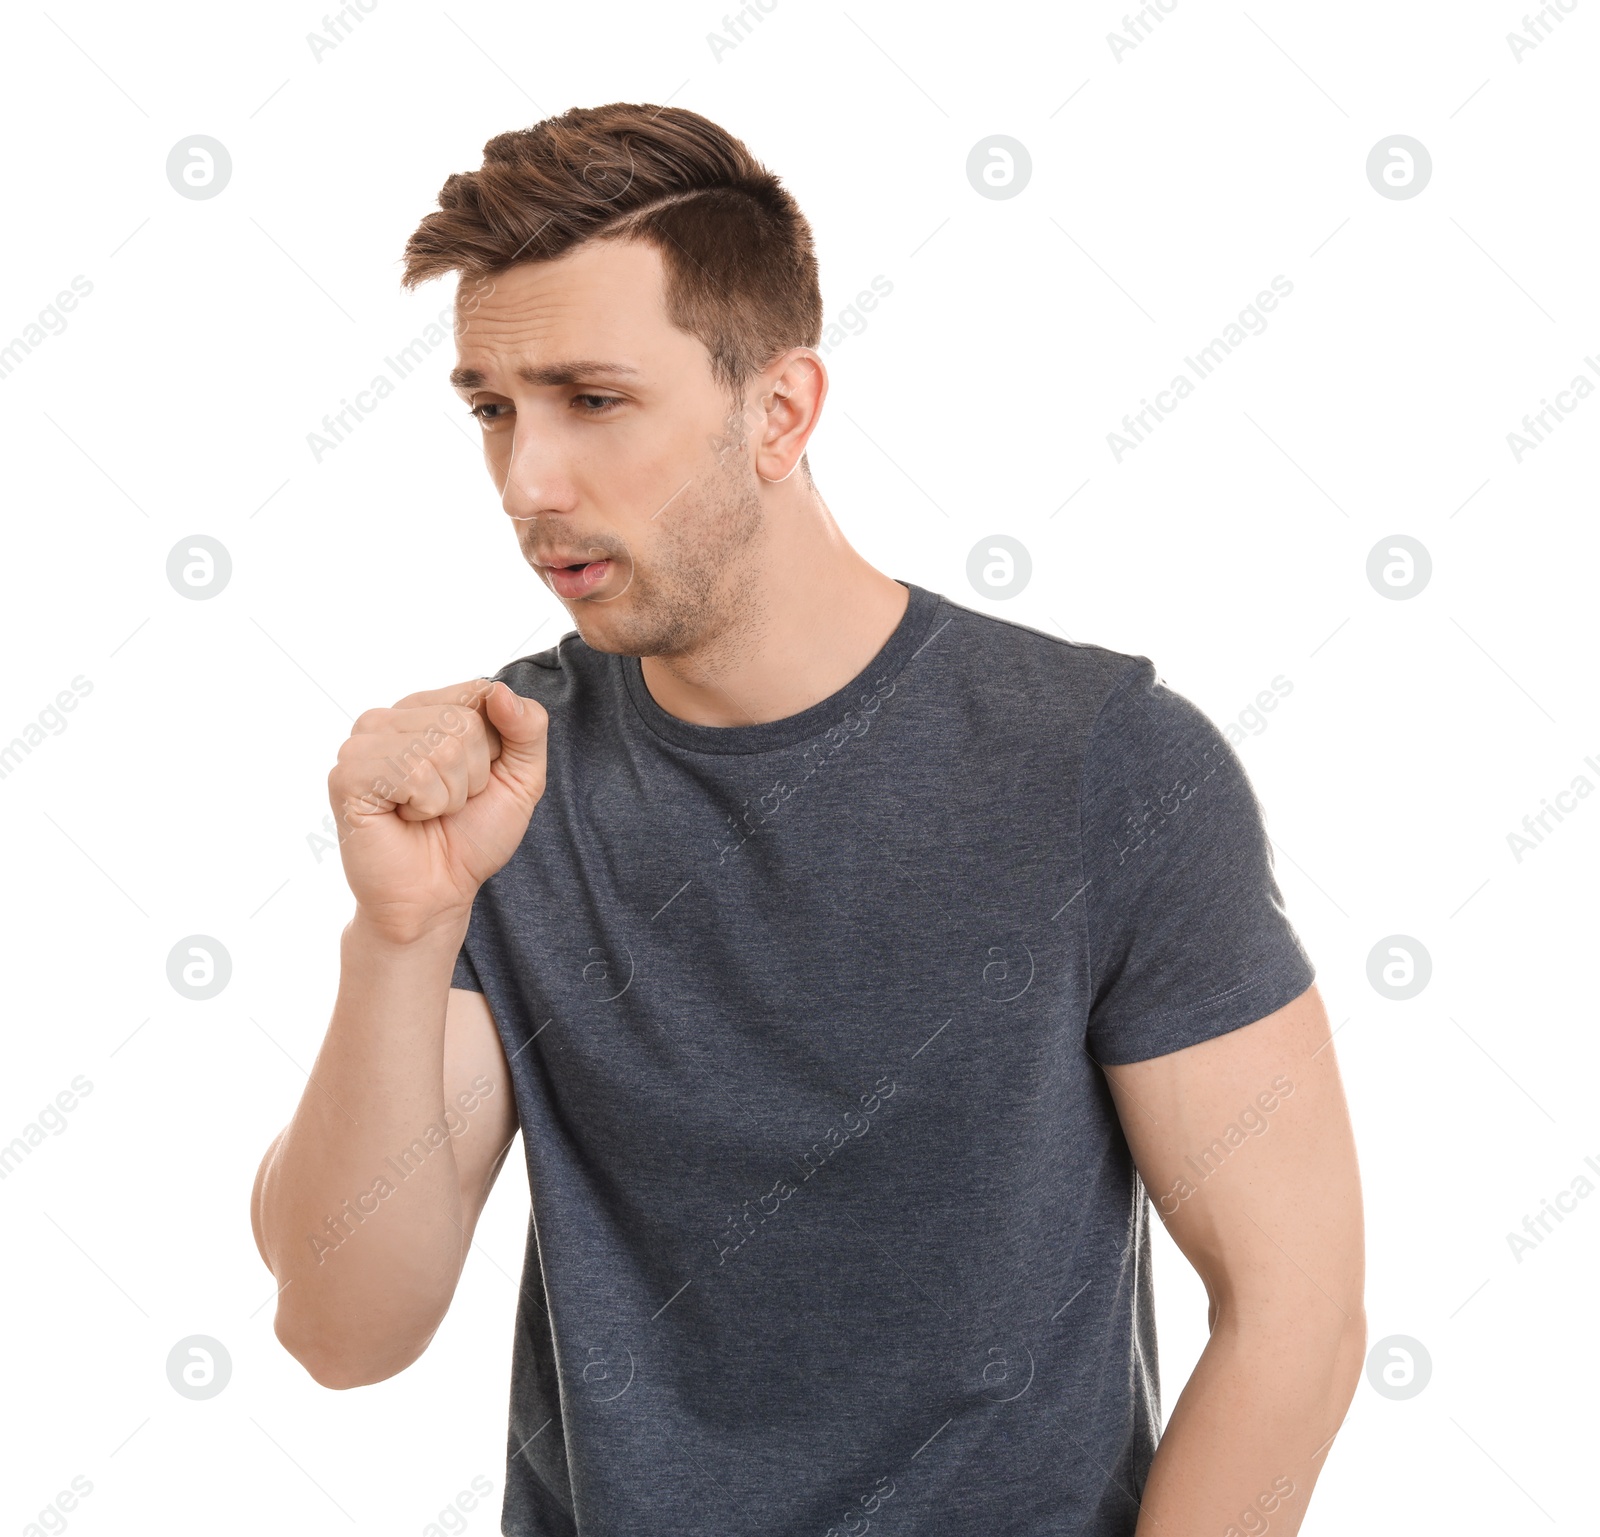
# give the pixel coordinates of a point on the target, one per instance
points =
(628, 682)
(1122, 681)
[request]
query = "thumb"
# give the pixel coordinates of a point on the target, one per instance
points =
(522, 724)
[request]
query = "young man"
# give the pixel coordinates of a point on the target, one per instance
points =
(852, 961)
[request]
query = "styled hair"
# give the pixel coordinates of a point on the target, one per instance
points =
(741, 271)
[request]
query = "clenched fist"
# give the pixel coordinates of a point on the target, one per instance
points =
(430, 798)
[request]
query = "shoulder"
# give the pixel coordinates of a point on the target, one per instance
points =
(554, 675)
(1142, 717)
(1047, 672)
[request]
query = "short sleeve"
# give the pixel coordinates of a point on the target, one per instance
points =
(466, 974)
(1188, 936)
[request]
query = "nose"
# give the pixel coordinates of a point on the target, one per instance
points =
(536, 479)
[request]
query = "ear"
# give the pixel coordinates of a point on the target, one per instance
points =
(788, 401)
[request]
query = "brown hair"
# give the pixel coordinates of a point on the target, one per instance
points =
(741, 272)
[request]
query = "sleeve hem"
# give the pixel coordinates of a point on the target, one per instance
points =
(1218, 1015)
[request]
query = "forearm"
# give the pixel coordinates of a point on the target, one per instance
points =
(1252, 1429)
(358, 1208)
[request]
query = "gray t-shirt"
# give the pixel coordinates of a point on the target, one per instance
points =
(833, 1220)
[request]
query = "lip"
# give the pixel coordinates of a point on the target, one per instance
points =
(577, 584)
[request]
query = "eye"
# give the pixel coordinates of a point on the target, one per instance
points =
(605, 403)
(487, 411)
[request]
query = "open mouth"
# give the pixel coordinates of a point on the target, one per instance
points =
(575, 581)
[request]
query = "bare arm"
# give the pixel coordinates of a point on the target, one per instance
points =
(1245, 1146)
(364, 1205)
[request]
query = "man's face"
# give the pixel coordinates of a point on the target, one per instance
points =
(609, 440)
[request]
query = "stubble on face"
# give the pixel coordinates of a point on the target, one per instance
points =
(692, 599)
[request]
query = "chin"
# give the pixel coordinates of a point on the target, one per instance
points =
(596, 633)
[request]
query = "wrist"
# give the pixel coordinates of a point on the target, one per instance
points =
(405, 933)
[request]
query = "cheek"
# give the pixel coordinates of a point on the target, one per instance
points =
(497, 458)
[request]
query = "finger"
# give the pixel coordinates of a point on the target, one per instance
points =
(523, 725)
(422, 795)
(434, 731)
(458, 709)
(455, 740)
(470, 694)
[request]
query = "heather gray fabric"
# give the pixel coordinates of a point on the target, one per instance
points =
(832, 1216)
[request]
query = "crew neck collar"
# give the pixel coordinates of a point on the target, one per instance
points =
(765, 736)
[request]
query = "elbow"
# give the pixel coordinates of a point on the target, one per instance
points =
(339, 1366)
(1349, 1358)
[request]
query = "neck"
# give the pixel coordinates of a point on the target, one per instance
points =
(809, 613)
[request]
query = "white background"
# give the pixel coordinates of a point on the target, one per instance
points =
(1231, 547)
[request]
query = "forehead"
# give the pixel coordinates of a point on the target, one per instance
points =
(604, 300)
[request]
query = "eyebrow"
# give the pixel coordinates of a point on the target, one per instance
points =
(570, 371)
